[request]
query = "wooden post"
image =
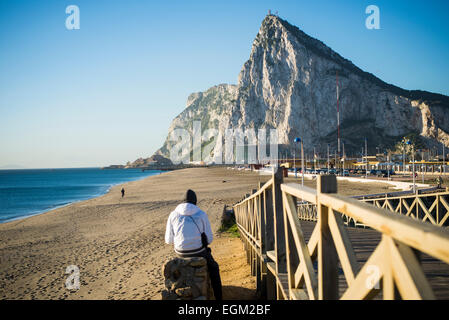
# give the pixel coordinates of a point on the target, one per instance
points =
(269, 241)
(437, 213)
(271, 286)
(269, 220)
(262, 234)
(252, 211)
(262, 237)
(247, 227)
(327, 254)
(263, 279)
(279, 234)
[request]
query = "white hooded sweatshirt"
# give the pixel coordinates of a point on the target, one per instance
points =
(182, 231)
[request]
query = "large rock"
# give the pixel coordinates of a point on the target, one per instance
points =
(210, 108)
(186, 279)
(289, 83)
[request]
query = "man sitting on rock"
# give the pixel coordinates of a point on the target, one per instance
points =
(188, 228)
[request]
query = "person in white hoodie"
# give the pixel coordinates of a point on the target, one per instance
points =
(189, 230)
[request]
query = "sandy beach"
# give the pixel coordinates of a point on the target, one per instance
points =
(118, 243)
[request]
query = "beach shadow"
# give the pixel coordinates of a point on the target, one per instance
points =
(239, 293)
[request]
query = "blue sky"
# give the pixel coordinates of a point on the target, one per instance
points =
(106, 93)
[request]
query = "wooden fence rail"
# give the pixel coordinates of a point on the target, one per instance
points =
(433, 207)
(288, 267)
(430, 207)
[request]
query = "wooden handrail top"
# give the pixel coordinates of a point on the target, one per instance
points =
(267, 185)
(425, 237)
(421, 195)
(300, 192)
(400, 194)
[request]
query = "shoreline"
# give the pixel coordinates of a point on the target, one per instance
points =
(44, 211)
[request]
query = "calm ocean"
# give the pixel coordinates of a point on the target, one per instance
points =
(29, 192)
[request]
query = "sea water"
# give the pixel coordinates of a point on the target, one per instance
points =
(32, 191)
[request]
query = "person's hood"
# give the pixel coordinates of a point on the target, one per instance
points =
(187, 209)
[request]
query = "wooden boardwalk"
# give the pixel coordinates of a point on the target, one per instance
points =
(303, 243)
(364, 241)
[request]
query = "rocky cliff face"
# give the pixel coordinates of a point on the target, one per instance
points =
(289, 83)
(212, 108)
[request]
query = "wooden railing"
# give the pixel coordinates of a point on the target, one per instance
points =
(428, 207)
(288, 267)
(431, 207)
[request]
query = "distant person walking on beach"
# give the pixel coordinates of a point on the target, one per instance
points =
(188, 228)
(123, 192)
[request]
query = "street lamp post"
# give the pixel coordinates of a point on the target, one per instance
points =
(294, 159)
(403, 158)
(302, 159)
(366, 158)
(335, 161)
(302, 163)
(444, 160)
(413, 165)
(388, 166)
(328, 163)
(422, 166)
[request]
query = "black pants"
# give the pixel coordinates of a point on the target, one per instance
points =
(214, 271)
